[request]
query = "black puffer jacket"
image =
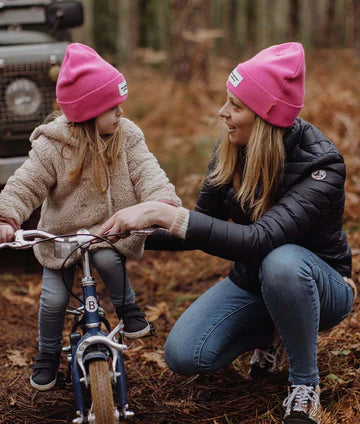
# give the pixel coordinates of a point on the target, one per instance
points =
(308, 211)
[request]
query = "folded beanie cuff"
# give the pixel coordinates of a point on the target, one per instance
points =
(270, 108)
(88, 107)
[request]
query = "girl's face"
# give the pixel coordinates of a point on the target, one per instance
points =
(238, 118)
(108, 122)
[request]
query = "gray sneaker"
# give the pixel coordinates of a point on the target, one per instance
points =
(267, 361)
(302, 405)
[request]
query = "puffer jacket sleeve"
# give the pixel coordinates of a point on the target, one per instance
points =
(299, 213)
(29, 186)
(149, 180)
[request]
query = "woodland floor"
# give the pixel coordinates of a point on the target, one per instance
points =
(180, 125)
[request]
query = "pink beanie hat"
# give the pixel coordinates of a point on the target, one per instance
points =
(272, 83)
(87, 85)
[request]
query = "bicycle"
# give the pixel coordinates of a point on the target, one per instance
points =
(95, 357)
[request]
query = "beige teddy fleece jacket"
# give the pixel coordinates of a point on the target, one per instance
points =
(68, 207)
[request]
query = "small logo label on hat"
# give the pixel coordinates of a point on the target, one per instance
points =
(235, 78)
(123, 88)
(320, 174)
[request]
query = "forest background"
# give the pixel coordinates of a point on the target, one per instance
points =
(176, 56)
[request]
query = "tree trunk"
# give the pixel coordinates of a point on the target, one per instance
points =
(127, 35)
(355, 25)
(190, 43)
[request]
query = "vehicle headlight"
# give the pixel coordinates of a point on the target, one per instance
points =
(23, 97)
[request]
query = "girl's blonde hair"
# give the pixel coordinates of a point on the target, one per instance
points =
(256, 176)
(100, 152)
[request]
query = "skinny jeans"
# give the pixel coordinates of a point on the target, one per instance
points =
(55, 297)
(300, 296)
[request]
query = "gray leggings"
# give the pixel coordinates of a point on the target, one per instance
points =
(55, 297)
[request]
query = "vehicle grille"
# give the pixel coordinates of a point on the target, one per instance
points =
(11, 124)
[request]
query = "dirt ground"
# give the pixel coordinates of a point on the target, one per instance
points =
(166, 283)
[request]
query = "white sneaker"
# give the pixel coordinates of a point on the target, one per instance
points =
(302, 405)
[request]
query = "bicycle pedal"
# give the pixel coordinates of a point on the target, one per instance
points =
(152, 330)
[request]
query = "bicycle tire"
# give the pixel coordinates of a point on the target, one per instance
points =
(101, 392)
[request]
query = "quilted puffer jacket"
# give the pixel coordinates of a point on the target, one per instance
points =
(308, 211)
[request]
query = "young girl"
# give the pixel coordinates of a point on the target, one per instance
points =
(281, 183)
(82, 167)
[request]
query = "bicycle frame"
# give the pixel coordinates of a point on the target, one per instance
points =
(94, 344)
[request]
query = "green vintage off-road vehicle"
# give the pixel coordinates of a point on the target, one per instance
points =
(33, 39)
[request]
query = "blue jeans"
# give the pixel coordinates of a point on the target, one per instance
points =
(54, 296)
(301, 295)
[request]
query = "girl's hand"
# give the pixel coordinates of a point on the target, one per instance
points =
(7, 233)
(139, 216)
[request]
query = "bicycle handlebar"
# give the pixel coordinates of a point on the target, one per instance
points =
(25, 239)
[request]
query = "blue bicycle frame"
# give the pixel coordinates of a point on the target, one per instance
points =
(95, 344)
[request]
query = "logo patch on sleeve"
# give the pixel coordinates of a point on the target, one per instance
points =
(123, 88)
(320, 174)
(235, 78)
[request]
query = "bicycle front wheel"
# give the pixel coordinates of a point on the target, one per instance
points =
(101, 392)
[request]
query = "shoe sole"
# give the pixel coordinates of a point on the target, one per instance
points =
(300, 421)
(43, 387)
(138, 334)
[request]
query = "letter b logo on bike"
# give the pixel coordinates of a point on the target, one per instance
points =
(91, 304)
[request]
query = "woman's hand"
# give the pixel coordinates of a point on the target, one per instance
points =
(139, 216)
(7, 233)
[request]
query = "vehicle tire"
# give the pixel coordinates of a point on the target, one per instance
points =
(101, 392)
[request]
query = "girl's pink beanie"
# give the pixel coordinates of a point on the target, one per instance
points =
(87, 85)
(272, 83)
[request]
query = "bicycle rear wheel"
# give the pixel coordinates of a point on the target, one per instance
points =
(101, 392)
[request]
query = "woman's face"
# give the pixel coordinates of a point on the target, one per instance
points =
(108, 121)
(239, 119)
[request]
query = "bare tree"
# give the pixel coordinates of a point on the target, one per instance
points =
(127, 36)
(355, 25)
(190, 39)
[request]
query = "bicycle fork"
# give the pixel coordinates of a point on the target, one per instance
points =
(95, 344)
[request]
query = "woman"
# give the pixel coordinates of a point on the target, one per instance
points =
(281, 183)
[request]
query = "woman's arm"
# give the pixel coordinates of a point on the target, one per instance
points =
(302, 213)
(299, 214)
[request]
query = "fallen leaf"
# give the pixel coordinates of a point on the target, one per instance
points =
(160, 309)
(17, 299)
(35, 289)
(17, 358)
(157, 357)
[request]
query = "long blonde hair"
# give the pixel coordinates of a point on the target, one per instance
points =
(255, 177)
(101, 152)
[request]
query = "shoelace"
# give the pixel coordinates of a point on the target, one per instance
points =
(301, 397)
(268, 356)
(262, 357)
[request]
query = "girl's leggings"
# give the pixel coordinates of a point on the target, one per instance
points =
(54, 297)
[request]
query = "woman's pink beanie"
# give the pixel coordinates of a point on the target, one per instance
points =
(272, 83)
(87, 85)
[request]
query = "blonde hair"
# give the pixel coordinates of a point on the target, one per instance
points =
(256, 176)
(98, 151)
